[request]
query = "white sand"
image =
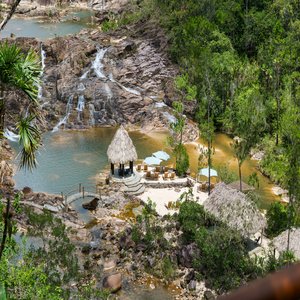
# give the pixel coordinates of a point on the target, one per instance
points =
(162, 196)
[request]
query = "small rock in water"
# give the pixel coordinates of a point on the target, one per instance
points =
(152, 286)
(26, 190)
(113, 282)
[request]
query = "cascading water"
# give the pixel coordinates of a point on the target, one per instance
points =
(97, 63)
(80, 106)
(130, 90)
(11, 136)
(64, 120)
(43, 57)
(92, 111)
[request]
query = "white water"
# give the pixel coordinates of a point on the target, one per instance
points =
(130, 90)
(108, 91)
(43, 57)
(169, 117)
(97, 63)
(92, 110)
(84, 76)
(11, 136)
(80, 106)
(81, 87)
(64, 120)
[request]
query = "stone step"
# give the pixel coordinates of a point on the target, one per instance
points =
(136, 190)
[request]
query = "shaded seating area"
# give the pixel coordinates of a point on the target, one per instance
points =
(120, 152)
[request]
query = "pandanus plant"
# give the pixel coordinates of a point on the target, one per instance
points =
(20, 72)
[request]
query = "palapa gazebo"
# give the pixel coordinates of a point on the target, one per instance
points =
(280, 242)
(234, 209)
(121, 151)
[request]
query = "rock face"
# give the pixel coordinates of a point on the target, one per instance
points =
(95, 79)
(109, 5)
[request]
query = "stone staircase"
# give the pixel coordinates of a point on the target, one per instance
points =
(133, 185)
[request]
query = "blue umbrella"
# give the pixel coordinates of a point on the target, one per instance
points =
(204, 172)
(151, 160)
(161, 155)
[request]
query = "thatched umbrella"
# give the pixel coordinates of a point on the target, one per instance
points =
(121, 150)
(233, 208)
(280, 242)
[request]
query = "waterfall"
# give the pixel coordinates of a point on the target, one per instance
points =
(81, 87)
(64, 120)
(97, 63)
(92, 111)
(84, 76)
(130, 90)
(43, 57)
(108, 91)
(11, 136)
(80, 106)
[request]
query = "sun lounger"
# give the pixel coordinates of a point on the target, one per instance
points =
(145, 167)
(138, 167)
(166, 175)
(172, 175)
(157, 169)
(148, 174)
(156, 175)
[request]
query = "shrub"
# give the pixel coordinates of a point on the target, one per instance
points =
(224, 260)
(191, 217)
(277, 218)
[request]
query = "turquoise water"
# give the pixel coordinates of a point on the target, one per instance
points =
(72, 157)
(44, 30)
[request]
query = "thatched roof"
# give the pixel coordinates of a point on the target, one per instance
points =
(245, 187)
(280, 242)
(121, 150)
(233, 208)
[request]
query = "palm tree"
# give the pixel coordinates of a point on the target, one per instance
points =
(19, 71)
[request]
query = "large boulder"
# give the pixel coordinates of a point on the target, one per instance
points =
(91, 205)
(113, 282)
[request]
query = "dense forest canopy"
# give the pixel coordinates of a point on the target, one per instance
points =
(243, 59)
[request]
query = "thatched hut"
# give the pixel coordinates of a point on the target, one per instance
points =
(280, 242)
(121, 151)
(233, 208)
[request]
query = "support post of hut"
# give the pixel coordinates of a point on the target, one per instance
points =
(122, 170)
(112, 168)
(131, 167)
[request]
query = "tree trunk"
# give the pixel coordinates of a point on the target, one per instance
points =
(2, 112)
(9, 14)
(6, 225)
(240, 175)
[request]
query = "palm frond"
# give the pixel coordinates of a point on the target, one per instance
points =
(30, 138)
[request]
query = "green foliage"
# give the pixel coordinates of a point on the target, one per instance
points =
(253, 180)
(182, 159)
(274, 263)
(167, 268)
(225, 174)
(224, 258)
(278, 218)
(191, 217)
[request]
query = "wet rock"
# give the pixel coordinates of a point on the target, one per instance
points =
(190, 276)
(113, 282)
(192, 285)
(26, 190)
(91, 205)
(86, 249)
(187, 254)
(208, 295)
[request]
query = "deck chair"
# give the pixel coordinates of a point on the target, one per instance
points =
(157, 169)
(166, 175)
(156, 175)
(172, 176)
(148, 174)
(138, 167)
(145, 167)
